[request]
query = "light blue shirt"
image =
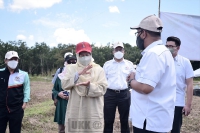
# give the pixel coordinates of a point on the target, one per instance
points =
(56, 75)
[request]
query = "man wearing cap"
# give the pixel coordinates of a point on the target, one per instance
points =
(60, 96)
(117, 94)
(154, 83)
(184, 83)
(15, 93)
(87, 84)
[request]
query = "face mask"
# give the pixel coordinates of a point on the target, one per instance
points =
(140, 43)
(118, 55)
(85, 60)
(172, 50)
(12, 64)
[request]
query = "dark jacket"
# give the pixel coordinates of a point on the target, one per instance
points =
(14, 89)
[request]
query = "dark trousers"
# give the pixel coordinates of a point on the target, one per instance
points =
(177, 120)
(138, 130)
(14, 119)
(112, 100)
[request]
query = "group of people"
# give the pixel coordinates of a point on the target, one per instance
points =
(87, 95)
(158, 85)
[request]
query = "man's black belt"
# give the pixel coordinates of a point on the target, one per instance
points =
(117, 91)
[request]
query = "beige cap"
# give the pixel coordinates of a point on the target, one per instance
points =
(151, 23)
(11, 54)
(118, 44)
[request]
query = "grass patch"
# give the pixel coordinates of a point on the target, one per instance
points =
(38, 118)
(39, 108)
(39, 78)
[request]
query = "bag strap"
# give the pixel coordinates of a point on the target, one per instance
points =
(61, 70)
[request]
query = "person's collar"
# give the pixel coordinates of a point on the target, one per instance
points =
(150, 46)
(16, 69)
(176, 58)
(114, 61)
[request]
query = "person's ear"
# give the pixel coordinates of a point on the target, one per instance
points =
(5, 61)
(144, 34)
(178, 47)
(113, 51)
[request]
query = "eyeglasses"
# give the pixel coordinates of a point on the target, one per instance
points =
(136, 34)
(170, 46)
(71, 62)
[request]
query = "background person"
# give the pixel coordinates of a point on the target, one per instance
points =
(117, 94)
(68, 59)
(59, 70)
(61, 97)
(184, 82)
(15, 93)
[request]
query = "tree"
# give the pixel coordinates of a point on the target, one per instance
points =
(42, 59)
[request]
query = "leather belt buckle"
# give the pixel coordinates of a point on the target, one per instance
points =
(117, 91)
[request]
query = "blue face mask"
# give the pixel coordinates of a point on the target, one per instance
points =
(140, 43)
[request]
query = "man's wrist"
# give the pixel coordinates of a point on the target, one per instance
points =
(129, 83)
(189, 105)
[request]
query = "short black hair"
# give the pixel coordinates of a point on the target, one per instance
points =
(174, 39)
(152, 33)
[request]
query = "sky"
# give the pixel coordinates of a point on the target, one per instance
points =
(72, 21)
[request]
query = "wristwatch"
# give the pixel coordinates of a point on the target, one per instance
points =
(129, 83)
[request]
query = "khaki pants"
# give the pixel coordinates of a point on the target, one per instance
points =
(61, 129)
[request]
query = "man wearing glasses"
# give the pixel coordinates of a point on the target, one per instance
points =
(184, 82)
(117, 94)
(154, 83)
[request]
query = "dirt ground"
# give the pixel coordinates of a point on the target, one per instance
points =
(43, 123)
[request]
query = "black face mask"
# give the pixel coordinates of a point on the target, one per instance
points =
(140, 43)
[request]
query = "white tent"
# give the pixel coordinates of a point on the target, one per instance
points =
(187, 28)
(197, 73)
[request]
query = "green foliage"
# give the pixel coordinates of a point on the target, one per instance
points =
(196, 78)
(43, 60)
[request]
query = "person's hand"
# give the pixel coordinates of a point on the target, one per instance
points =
(63, 96)
(130, 76)
(186, 110)
(87, 83)
(85, 70)
(24, 106)
(55, 101)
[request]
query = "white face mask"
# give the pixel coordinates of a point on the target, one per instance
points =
(12, 64)
(85, 60)
(118, 55)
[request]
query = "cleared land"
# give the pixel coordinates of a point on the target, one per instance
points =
(40, 111)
